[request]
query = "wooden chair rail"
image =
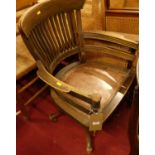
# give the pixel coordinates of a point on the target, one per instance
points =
(29, 100)
(123, 12)
(28, 85)
(112, 37)
(38, 12)
(109, 51)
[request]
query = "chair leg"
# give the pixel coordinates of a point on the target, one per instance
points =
(22, 107)
(89, 139)
(53, 116)
(130, 92)
(133, 124)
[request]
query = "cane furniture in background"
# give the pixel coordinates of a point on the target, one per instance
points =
(111, 15)
(122, 16)
(101, 64)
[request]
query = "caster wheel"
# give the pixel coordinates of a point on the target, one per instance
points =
(53, 118)
(89, 150)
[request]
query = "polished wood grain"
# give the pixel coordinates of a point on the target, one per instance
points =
(41, 11)
(19, 13)
(100, 68)
(93, 14)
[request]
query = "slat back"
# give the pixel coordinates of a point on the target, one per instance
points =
(52, 29)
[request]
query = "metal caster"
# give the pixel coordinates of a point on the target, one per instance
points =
(89, 149)
(53, 117)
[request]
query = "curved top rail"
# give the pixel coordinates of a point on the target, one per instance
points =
(43, 10)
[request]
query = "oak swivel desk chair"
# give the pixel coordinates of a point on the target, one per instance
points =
(91, 88)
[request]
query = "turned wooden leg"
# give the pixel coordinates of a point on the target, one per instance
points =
(89, 139)
(129, 96)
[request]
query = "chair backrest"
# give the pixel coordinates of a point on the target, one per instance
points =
(52, 30)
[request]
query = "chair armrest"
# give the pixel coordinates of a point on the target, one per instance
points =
(129, 40)
(61, 86)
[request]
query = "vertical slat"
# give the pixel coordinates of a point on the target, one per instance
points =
(75, 17)
(80, 37)
(74, 25)
(45, 36)
(67, 30)
(64, 30)
(79, 25)
(60, 32)
(53, 35)
(71, 29)
(49, 35)
(40, 53)
(44, 42)
(33, 50)
(40, 44)
(52, 21)
(57, 34)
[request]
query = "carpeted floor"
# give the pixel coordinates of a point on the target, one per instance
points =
(40, 136)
